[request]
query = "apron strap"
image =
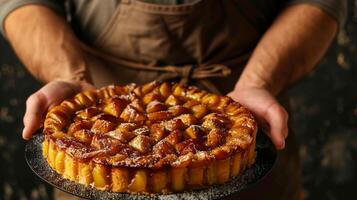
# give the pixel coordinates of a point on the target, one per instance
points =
(185, 72)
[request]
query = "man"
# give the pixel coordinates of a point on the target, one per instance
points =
(267, 46)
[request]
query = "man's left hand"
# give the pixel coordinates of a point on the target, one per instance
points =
(271, 116)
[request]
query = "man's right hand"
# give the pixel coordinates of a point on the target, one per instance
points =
(49, 49)
(48, 96)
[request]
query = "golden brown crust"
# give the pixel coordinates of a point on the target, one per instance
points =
(148, 134)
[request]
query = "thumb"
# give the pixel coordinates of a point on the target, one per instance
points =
(277, 119)
(36, 106)
(48, 96)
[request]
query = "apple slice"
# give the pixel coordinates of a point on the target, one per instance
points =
(100, 176)
(139, 182)
(85, 176)
(159, 181)
(59, 162)
(178, 176)
(223, 167)
(71, 168)
(52, 151)
(120, 179)
(196, 176)
(45, 148)
(211, 173)
(236, 163)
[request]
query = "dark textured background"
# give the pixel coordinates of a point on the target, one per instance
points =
(324, 113)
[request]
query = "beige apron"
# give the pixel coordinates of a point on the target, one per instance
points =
(199, 34)
(204, 43)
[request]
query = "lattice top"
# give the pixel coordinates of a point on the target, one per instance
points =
(150, 126)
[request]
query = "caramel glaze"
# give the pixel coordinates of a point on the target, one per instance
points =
(153, 126)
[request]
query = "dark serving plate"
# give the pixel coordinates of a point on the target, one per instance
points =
(266, 157)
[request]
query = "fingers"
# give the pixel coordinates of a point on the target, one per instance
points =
(47, 97)
(277, 118)
(86, 86)
(36, 106)
(57, 91)
(271, 116)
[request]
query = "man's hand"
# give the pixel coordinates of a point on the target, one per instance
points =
(288, 50)
(271, 116)
(48, 96)
(50, 51)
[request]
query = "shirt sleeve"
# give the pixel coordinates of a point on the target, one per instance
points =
(7, 6)
(335, 8)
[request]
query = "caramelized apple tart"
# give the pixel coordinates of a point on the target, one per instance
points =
(156, 138)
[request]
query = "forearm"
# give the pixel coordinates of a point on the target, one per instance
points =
(291, 48)
(45, 44)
